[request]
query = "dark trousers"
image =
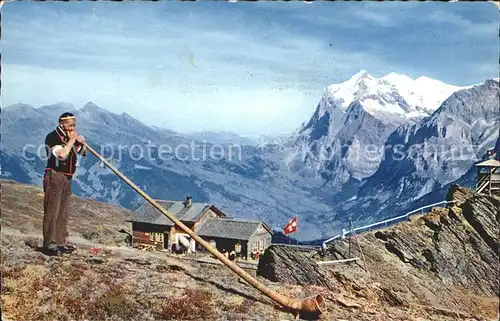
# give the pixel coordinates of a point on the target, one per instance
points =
(57, 189)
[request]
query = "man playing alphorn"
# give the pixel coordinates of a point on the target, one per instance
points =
(62, 145)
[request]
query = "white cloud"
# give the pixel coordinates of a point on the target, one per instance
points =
(358, 15)
(230, 78)
(249, 110)
(237, 70)
(465, 26)
(378, 18)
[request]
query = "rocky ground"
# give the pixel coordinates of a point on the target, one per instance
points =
(120, 283)
(446, 259)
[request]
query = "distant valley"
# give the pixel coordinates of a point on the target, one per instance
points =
(373, 148)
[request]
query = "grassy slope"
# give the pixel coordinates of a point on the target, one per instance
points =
(120, 283)
(22, 211)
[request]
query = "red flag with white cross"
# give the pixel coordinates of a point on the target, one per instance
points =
(291, 227)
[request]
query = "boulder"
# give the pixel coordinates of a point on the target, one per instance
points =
(287, 265)
(459, 194)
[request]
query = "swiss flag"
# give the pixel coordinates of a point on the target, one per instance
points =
(291, 227)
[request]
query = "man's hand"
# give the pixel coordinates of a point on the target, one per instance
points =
(82, 149)
(72, 135)
(62, 153)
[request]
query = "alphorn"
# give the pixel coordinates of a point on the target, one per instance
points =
(309, 305)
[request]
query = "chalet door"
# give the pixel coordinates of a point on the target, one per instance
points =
(244, 250)
(165, 241)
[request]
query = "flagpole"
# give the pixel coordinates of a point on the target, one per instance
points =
(297, 231)
(289, 237)
(290, 229)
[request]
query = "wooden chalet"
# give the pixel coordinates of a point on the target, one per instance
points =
(152, 229)
(243, 236)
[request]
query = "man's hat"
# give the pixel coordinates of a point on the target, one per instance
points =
(66, 116)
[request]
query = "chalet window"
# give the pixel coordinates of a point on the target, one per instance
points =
(261, 245)
(156, 237)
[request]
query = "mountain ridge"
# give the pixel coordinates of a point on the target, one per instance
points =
(438, 150)
(272, 180)
(376, 107)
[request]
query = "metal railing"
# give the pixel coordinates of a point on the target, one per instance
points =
(384, 222)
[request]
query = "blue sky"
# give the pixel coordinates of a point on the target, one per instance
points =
(250, 68)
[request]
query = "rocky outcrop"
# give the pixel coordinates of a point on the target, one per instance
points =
(447, 258)
(483, 214)
(459, 245)
(458, 194)
(289, 266)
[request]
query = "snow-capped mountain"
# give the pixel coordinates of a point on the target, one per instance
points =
(423, 157)
(352, 120)
(423, 94)
(393, 94)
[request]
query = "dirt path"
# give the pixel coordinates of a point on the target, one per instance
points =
(84, 246)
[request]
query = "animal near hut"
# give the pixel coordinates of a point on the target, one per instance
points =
(154, 231)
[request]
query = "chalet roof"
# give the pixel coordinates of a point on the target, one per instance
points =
(147, 213)
(230, 228)
(489, 163)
